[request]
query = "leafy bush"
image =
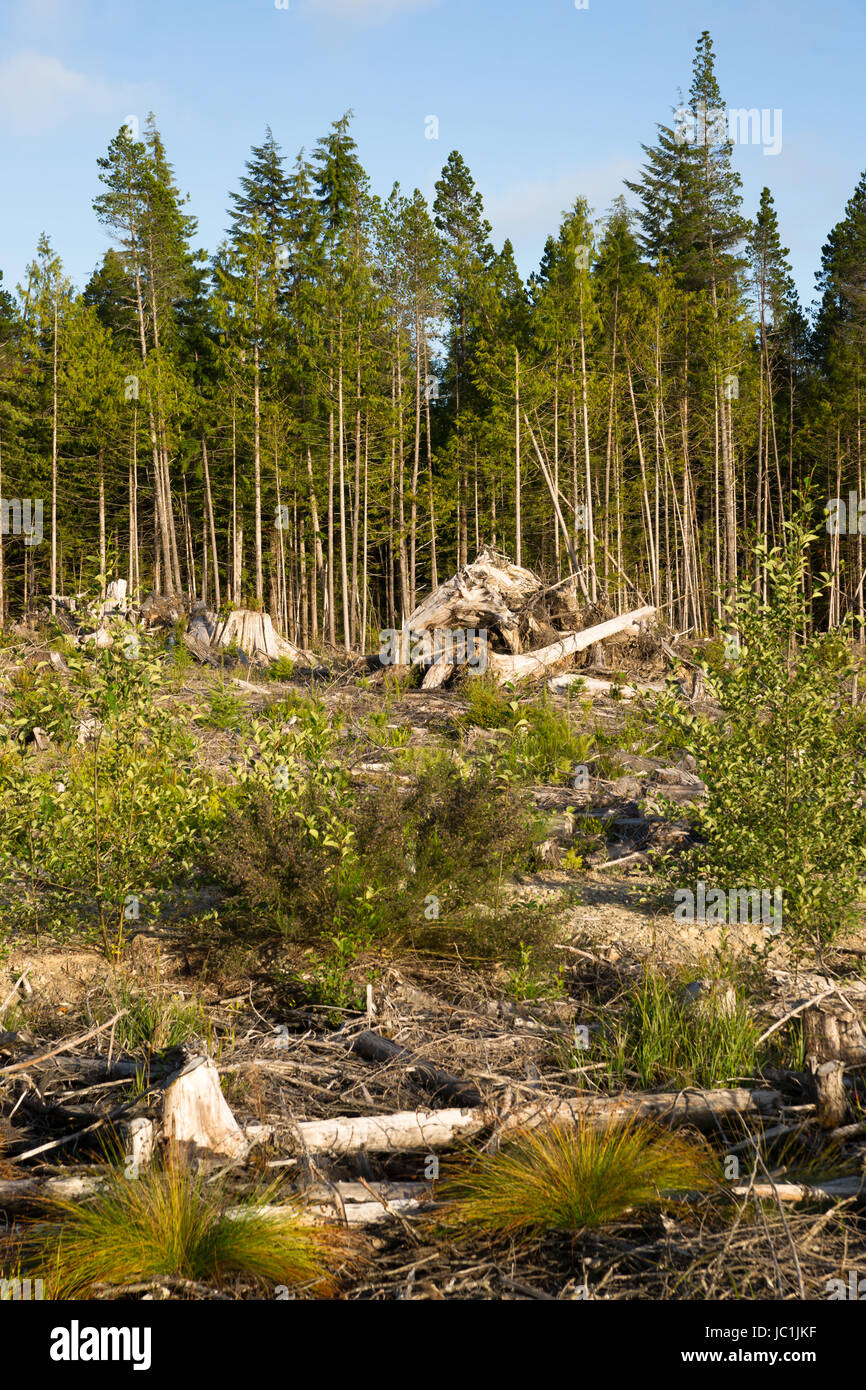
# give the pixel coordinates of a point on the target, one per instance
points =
(782, 764)
(422, 867)
(86, 853)
(38, 699)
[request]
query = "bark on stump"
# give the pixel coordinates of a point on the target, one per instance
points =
(828, 1083)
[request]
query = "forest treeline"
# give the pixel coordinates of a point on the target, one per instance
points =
(330, 412)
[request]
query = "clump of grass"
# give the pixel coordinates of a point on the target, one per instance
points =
(663, 1041)
(153, 1022)
(567, 1178)
(528, 982)
(171, 1222)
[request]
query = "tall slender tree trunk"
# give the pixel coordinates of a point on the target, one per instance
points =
(518, 529)
(213, 542)
(590, 524)
(257, 448)
(54, 460)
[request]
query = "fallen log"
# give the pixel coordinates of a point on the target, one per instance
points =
(351, 1203)
(18, 1194)
(427, 1130)
(517, 667)
(374, 1048)
(363, 1203)
(833, 1190)
(593, 686)
(250, 688)
(437, 674)
(67, 1046)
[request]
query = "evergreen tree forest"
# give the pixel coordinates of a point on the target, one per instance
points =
(330, 411)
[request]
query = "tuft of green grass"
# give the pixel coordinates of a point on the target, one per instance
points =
(567, 1178)
(171, 1222)
(153, 1023)
(661, 1041)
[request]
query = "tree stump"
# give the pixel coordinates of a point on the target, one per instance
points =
(254, 633)
(828, 1084)
(833, 1032)
(833, 1039)
(196, 1119)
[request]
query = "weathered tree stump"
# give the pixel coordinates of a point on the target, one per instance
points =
(254, 633)
(833, 1032)
(196, 1119)
(828, 1083)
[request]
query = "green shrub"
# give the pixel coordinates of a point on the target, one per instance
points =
(782, 764)
(424, 867)
(90, 849)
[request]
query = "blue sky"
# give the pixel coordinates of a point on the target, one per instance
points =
(544, 100)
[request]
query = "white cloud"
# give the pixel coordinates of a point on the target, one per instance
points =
(363, 11)
(37, 91)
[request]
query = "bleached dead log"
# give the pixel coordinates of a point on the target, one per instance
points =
(516, 667)
(250, 688)
(18, 1194)
(833, 1190)
(590, 685)
(367, 1213)
(196, 1118)
(348, 1203)
(437, 674)
(361, 1204)
(255, 635)
(427, 1130)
